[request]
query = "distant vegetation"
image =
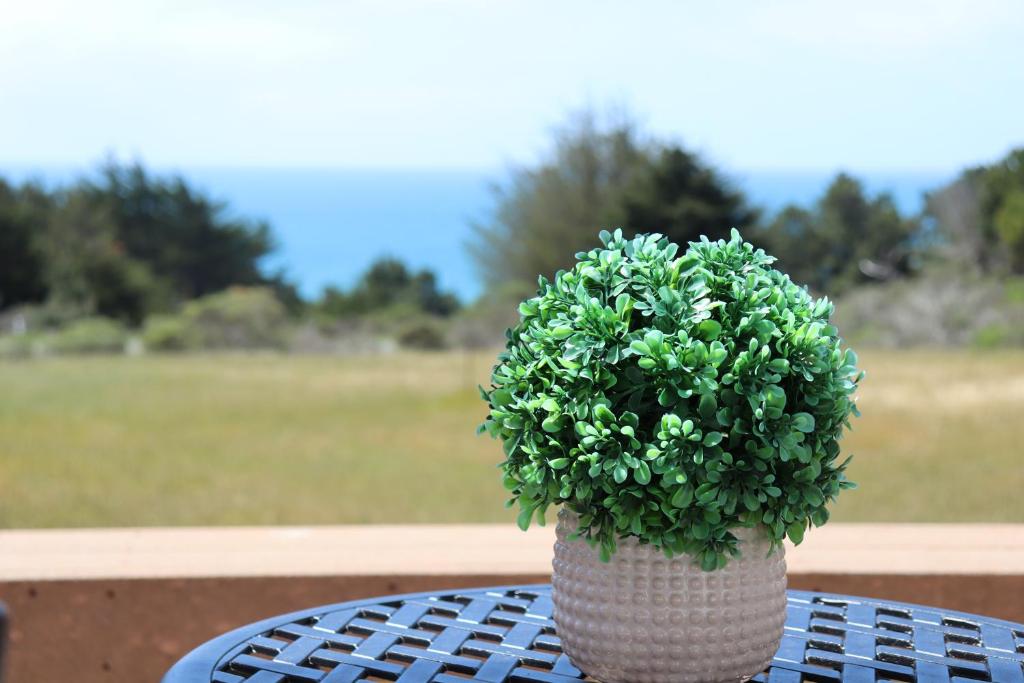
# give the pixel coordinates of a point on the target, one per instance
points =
(949, 276)
(600, 178)
(130, 261)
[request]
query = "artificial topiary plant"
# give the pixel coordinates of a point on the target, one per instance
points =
(674, 397)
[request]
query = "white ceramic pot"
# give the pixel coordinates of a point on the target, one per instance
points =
(642, 618)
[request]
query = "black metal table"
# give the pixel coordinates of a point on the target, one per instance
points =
(505, 634)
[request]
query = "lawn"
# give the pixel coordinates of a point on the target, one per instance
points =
(266, 439)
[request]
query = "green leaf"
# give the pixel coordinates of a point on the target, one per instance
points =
(706, 492)
(812, 494)
(552, 423)
(602, 413)
(640, 347)
(642, 474)
(562, 332)
(525, 515)
(803, 422)
(709, 330)
(623, 305)
(682, 497)
(795, 531)
(501, 397)
(559, 463)
(712, 438)
(708, 561)
(707, 407)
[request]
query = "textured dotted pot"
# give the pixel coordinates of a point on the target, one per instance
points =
(642, 618)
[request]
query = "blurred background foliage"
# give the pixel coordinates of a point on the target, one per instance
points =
(128, 262)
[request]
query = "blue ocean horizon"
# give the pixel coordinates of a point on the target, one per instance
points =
(331, 224)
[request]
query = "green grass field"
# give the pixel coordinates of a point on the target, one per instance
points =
(265, 439)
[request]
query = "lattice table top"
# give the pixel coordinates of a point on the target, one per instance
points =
(506, 634)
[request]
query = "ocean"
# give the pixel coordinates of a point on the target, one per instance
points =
(332, 223)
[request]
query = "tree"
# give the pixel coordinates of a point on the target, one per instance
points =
(386, 284)
(184, 237)
(847, 238)
(548, 213)
(1002, 210)
(21, 257)
(683, 199)
(88, 269)
(979, 217)
(599, 177)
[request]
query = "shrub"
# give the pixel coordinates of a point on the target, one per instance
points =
(424, 335)
(90, 335)
(938, 309)
(672, 398)
(169, 333)
(19, 345)
(237, 318)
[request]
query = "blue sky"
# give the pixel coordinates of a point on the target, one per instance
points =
(466, 83)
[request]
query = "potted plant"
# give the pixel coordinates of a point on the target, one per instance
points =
(684, 410)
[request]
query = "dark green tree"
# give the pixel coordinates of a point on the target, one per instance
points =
(22, 260)
(87, 268)
(388, 283)
(683, 198)
(845, 239)
(185, 238)
(126, 244)
(599, 177)
(546, 214)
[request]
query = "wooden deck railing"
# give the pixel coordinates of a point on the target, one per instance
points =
(125, 603)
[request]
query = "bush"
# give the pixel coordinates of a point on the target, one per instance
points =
(169, 333)
(19, 345)
(424, 335)
(940, 309)
(90, 335)
(237, 318)
(674, 398)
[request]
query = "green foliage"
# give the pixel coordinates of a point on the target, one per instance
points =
(19, 345)
(683, 198)
(89, 335)
(1002, 207)
(87, 268)
(673, 397)
(425, 334)
(992, 336)
(170, 333)
(184, 237)
(599, 175)
(388, 283)
(21, 258)
(125, 245)
(845, 239)
(980, 216)
(237, 318)
(1008, 222)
